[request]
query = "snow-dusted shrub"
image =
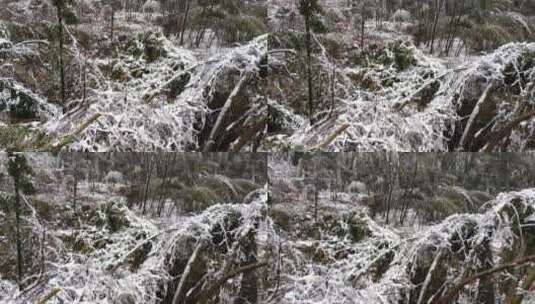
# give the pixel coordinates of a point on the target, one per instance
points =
(7, 290)
(151, 6)
(357, 187)
(197, 198)
(114, 177)
(355, 226)
(111, 215)
(401, 15)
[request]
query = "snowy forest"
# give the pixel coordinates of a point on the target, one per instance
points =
(267, 75)
(267, 151)
(201, 228)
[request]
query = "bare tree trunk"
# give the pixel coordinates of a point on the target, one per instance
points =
(147, 183)
(438, 4)
(61, 66)
(17, 233)
(112, 21)
(309, 70)
(184, 22)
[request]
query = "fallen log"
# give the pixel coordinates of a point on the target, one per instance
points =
(325, 142)
(54, 292)
(215, 129)
(69, 138)
(453, 292)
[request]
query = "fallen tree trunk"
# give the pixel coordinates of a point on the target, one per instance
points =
(474, 114)
(215, 129)
(453, 292)
(54, 292)
(69, 138)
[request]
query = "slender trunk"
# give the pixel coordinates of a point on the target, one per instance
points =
(315, 203)
(147, 184)
(362, 25)
(61, 67)
(17, 233)
(435, 23)
(309, 71)
(112, 21)
(185, 22)
(74, 190)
